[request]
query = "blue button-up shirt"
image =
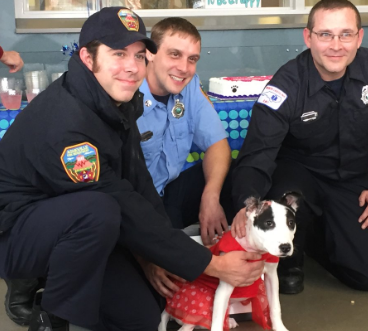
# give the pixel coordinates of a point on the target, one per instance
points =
(165, 153)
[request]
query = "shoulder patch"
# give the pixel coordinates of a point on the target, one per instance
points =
(81, 162)
(272, 97)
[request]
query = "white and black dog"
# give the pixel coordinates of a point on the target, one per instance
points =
(270, 230)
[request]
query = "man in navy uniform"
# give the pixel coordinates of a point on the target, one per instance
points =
(308, 132)
(77, 204)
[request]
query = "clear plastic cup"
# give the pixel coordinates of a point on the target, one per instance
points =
(11, 92)
(36, 80)
(56, 75)
(31, 94)
(11, 99)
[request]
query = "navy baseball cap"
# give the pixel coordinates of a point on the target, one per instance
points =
(115, 27)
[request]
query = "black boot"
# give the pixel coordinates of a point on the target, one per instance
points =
(44, 321)
(291, 280)
(19, 299)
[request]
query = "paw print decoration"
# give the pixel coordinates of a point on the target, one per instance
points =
(234, 88)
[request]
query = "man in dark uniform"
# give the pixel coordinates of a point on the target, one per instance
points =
(77, 204)
(308, 132)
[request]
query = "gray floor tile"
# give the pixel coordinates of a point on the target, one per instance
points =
(325, 305)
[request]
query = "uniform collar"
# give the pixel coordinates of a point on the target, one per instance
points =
(316, 83)
(149, 102)
(355, 70)
(84, 86)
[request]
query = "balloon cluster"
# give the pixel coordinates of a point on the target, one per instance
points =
(69, 50)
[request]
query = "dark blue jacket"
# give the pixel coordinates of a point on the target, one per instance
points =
(74, 110)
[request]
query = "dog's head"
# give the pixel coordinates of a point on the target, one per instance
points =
(271, 225)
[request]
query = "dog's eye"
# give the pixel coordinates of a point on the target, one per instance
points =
(270, 223)
(291, 223)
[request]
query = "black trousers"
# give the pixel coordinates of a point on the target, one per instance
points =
(71, 241)
(327, 222)
(182, 197)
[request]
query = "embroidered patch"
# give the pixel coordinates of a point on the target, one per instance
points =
(364, 97)
(129, 19)
(272, 97)
(81, 162)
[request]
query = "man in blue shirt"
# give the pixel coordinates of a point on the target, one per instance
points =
(176, 114)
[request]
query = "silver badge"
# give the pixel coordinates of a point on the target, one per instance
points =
(309, 116)
(178, 109)
(365, 94)
(148, 103)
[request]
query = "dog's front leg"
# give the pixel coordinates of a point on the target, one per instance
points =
(220, 304)
(272, 291)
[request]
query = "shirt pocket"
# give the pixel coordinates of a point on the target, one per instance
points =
(359, 123)
(309, 129)
(152, 148)
(315, 134)
(183, 137)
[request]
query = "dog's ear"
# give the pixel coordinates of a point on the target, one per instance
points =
(291, 199)
(252, 204)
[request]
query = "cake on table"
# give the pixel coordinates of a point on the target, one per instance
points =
(237, 87)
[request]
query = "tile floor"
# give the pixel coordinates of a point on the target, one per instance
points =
(325, 305)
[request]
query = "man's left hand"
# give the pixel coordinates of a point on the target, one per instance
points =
(159, 279)
(363, 200)
(212, 219)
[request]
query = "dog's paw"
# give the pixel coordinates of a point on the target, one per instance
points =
(234, 88)
(280, 328)
(232, 323)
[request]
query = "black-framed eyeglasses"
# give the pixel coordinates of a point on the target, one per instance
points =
(345, 37)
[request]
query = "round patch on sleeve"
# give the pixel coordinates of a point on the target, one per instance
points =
(81, 162)
(272, 97)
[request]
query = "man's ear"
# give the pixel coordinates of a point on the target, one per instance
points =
(307, 37)
(86, 58)
(149, 56)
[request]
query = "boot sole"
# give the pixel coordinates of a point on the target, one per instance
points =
(291, 290)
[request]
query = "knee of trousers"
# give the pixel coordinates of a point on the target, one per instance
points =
(351, 278)
(102, 218)
(150, 321)
(361, 283)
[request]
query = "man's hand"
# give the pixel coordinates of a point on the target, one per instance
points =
(363, 200)
(212, 218)
(235, 268)
(159, 279)
(13, 60)
(238, 225)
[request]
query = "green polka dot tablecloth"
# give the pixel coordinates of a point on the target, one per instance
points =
(235, 116)
(7, 117)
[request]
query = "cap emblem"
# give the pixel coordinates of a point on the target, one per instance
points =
(129, 19)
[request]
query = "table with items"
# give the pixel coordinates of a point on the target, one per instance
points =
(7, 117)
(235, 116)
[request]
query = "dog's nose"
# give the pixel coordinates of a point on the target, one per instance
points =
(285, 248)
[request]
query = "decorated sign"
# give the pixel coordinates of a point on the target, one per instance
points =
(232, 4)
